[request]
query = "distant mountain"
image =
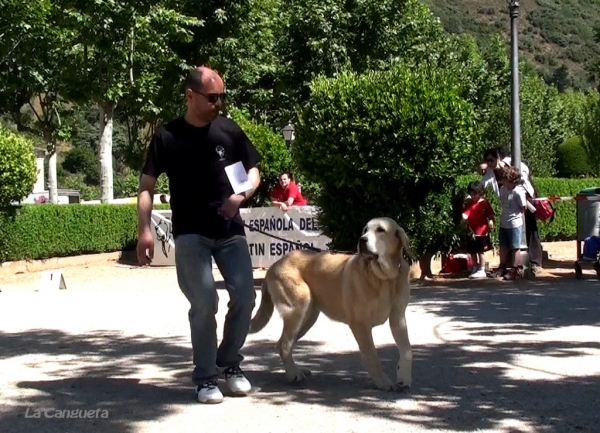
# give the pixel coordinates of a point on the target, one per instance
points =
(558, 36)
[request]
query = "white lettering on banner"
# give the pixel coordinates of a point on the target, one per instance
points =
(299, 226)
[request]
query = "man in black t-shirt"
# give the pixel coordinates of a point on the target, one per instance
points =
(193, 151)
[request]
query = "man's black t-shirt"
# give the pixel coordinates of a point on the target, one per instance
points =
(194, 159)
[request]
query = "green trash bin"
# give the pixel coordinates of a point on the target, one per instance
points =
(588, 224)
(588, 213)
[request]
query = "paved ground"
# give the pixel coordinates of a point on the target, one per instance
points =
(489, 357)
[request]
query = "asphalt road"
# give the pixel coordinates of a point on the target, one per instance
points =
(489, 357)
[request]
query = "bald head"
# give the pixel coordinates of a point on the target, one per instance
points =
(205, 93)
(201, 77)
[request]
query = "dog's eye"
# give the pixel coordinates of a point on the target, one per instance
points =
(380, 230)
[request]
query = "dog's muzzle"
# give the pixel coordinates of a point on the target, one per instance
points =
(363, 249)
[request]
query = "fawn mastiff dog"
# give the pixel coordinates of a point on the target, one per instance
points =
(361, 290)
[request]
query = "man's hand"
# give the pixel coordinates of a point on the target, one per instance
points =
(491, 224)
(283, 207)
(145, 242)
(231, 206)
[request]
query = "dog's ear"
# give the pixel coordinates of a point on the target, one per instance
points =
(405, 246)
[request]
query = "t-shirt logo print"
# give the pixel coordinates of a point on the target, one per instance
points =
(221, 152)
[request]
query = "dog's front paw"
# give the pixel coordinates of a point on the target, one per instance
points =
(404, 374)
(386, 384)
(298, 375)
(401, 387)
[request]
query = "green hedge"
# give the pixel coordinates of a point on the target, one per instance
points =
(43, 231)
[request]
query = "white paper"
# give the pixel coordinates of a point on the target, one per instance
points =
(238, 178)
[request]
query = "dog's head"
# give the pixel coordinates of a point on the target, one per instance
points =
(385, 244)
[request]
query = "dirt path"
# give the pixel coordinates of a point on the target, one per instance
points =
(489, 357)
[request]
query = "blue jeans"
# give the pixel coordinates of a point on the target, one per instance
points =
(193, 262)
(510, 238)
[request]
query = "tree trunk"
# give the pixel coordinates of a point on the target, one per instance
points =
(425, 264)
(105, 151)
(52, 178)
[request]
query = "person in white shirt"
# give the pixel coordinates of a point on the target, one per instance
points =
(496, 159)
(513, 202)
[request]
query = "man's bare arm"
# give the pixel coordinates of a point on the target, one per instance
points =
(254, 177)
(145, 202)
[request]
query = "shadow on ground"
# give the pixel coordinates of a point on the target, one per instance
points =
(455, 386)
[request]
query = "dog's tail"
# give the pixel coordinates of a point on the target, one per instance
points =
(265, 310)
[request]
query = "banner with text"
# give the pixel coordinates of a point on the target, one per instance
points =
(299, 225)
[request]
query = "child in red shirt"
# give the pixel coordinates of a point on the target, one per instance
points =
(479, 216)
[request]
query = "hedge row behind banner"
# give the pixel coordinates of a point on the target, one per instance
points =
(44, 230)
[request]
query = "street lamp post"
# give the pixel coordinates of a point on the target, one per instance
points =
(513, 7)
(515, 110)
(288, 134)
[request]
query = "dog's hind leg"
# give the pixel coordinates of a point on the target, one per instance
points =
(309, 320)
(294, 322)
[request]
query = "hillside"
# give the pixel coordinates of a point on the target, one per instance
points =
(553, 34)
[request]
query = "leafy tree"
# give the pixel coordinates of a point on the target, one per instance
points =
(31, 76)
(387, 143)
(591, 132)
(119, 48)
(323, 38)
(18, 168)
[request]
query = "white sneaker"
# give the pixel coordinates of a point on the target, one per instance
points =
(480, 273)
(236, 381)
(209, 392)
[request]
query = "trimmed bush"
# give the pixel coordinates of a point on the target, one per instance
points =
(388, 143)
(572, 159)
(18, 168)
(42, 231)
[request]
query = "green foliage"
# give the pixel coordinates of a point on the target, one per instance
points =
(18, 168)
(83, 160)
(543, 128)
(127, 186)
(571, 159)
(591, 132)
(272, 148)
(386, 143)
(551, 32)
(43, 231)
(323, 38)
(564, 226)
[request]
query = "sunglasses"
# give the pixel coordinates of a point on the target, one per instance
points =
(211, 97)
(490, 160)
